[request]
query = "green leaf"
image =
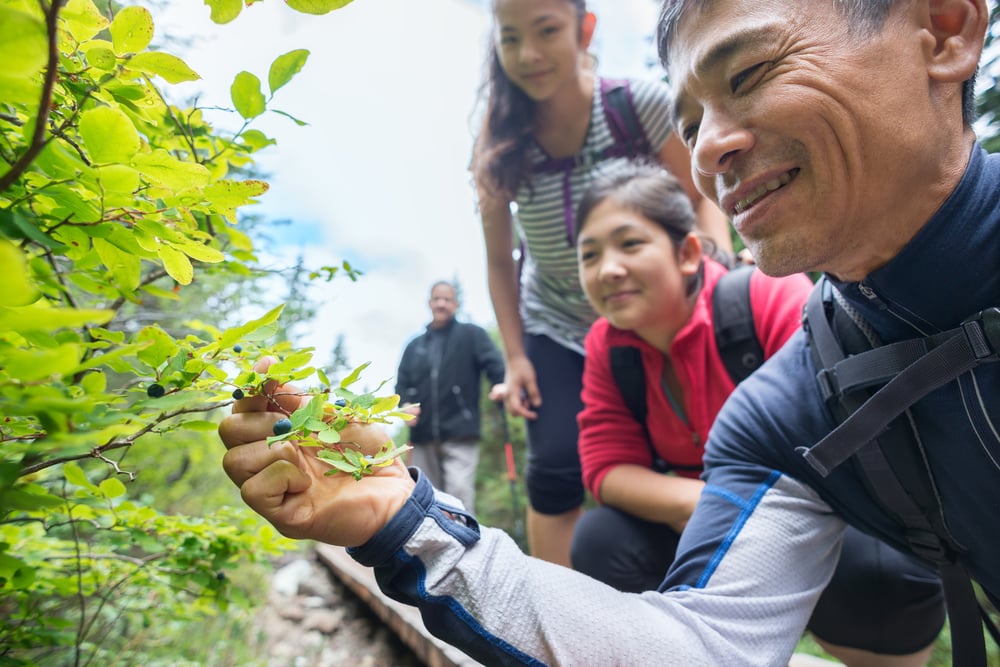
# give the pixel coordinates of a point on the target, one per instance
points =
(316, 6)
(112, 488)
(17, 573)
(82, 19)
(40, 363)
(330, 436)
(285, 67)
(109, 135)
(126, 269)
(176, 264)
(386, 403)
(246, 95)
(165, 170)
(118, 178)
(100, 57)
(75, 475)
(131, 30)
(199, 252)
(236, 334)
(300, 123)
(44, 319)
(355, 374)
(226, 195)
(170, 67)
(255, 140)
(161, 346)
(224, 11)
(200, 425)
(16, 286)
(23, 44)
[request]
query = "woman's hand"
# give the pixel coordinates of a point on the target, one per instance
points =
(522, 396)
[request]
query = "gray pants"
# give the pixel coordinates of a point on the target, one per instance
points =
(450, 466)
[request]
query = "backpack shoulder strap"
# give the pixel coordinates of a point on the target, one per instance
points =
(732, 320)
(891, 456)
(623, 121)
(630, 376)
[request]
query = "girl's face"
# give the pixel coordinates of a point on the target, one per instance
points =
(633, 274)
(539, 44)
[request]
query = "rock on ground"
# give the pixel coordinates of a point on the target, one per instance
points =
(312, 620)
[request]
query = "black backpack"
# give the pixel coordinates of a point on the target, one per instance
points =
(735, 338)
(870, 387)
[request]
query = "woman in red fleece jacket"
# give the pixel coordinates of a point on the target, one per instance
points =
(651, 280)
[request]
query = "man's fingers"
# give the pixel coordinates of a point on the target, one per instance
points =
(239, 429)
(243, 462)
(273, 397)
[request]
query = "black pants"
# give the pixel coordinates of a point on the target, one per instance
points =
(879, 599)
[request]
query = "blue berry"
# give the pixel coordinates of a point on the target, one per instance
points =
(237, 348)
(282, 426)
(238, 394)
(155, 390)
(340, 402)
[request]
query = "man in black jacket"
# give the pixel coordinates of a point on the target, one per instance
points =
(438, 378)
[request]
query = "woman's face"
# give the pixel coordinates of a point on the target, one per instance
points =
(539, 45)
(633, 273)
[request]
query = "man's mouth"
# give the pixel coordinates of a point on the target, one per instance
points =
(763, 189)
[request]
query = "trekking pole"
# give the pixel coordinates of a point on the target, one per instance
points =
(511, 474)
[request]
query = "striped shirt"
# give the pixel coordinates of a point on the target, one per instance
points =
(552, 302)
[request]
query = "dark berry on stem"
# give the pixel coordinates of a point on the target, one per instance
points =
(237, 348)
(155, 390)
(238, 394)
(282, 426)
(340, 402)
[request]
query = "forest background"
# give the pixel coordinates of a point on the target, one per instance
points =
(135, 294)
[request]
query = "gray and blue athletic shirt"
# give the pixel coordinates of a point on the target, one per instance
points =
(766, 536)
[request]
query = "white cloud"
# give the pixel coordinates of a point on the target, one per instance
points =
(379, 176)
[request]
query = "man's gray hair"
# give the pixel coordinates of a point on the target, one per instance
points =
(864, 18)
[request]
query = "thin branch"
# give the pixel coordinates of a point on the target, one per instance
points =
(97, 452)
(38, 136)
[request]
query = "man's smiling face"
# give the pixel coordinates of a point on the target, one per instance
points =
(817, 140)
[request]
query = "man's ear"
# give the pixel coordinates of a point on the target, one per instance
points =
(587, 29)
(959, 29)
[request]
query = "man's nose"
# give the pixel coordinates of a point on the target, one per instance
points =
(719, 142)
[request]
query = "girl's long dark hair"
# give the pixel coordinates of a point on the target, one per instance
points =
(500, 159)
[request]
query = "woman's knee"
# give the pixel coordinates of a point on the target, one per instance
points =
(553, 491)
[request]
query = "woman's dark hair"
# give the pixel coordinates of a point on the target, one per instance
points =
(654, 193)
(501, 157)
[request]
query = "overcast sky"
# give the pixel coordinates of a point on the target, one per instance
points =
(378, 177)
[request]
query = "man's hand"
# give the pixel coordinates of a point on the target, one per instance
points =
(288, 484)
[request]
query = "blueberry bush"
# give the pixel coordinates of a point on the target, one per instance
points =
(112, 201)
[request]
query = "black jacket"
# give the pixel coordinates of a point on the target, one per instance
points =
(446, 383)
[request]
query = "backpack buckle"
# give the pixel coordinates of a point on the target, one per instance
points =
(983, 333)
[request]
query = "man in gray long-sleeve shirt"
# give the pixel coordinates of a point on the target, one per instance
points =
(838, 135)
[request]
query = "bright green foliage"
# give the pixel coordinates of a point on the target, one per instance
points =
(112, 201)
(318, 424)
(224, 11)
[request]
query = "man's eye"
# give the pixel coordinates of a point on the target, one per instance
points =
(749, 76)
(689, 133)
